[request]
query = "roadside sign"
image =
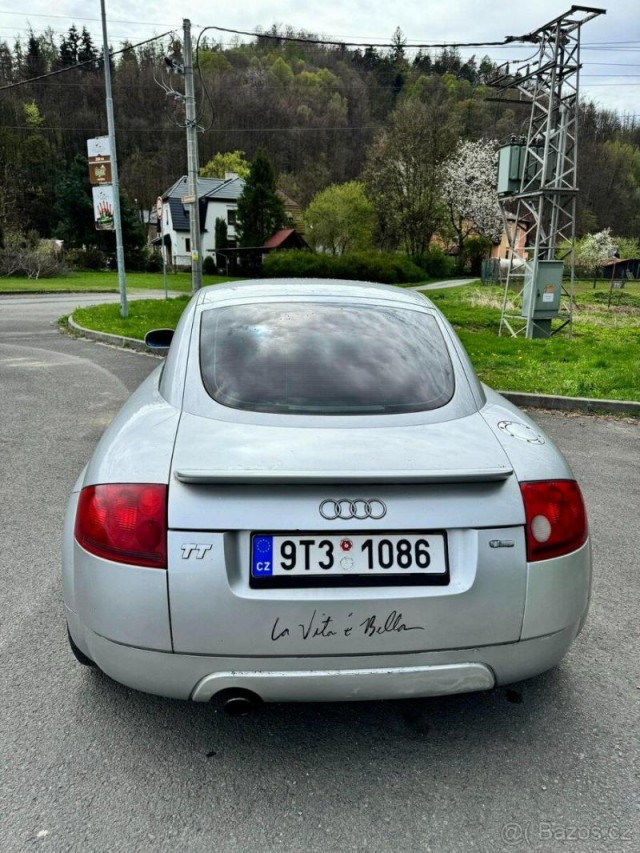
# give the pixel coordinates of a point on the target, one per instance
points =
(99, 171)
(103, 207)
(159, 209)
(188, 199)
(99, 146)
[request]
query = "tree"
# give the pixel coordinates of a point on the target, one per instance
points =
(222, 235)
(76, 225)
(223, 162)
(340, 219)
(628, 247)
(331, 103)
(404, 170)
(34, 63)
(74, 206)
(138, 179)
(593, 250)
(87, 51)
(133, 236)
(69, 47)
(6, 64)
(609, 172)
(260, 209)
(398, 60)
(469, 190)
(398, 44)
(32, 171)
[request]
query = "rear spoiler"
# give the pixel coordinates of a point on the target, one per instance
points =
(241, 478)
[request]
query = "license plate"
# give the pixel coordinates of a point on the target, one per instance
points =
(420, 556)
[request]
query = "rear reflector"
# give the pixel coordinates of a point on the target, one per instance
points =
(556, 518)
(124, 522)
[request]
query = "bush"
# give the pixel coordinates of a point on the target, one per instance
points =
(154, 262)
(436, 264)
(476, 249)
(208, 265)
(90, 258)
(384, 267)
(136, 258)
(26, 256)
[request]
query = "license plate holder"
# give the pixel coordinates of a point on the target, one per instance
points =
(408, 558)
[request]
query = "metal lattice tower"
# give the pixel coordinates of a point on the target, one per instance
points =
(544, 204)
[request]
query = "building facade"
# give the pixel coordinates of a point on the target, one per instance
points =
(217, 198)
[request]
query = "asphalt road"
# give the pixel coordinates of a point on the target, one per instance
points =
(550, 764)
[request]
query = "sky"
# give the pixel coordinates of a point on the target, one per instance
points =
(610, 43)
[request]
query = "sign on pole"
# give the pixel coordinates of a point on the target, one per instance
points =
(98, 147)
(103, 207)
(99, 151)
(100, 172)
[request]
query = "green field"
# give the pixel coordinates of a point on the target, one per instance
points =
(107, 282)
(601, 359)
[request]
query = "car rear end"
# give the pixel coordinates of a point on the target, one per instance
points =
(333, 525)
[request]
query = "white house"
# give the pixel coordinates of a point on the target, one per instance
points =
(218, 200)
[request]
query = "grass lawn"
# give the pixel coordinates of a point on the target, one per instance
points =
(602, 359)
(85, 282)
(143, 315)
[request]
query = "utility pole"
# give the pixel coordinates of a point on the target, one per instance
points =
(117, 220)
(192, 160)
(537, 178)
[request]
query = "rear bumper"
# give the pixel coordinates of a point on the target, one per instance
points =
(315, 679)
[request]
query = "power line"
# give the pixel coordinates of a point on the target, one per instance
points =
(94, 62)
(300, 40)
(366, 41)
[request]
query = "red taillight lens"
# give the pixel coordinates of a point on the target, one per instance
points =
(556, 518)
(124, 522)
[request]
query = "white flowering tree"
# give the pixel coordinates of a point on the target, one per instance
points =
(593, 250)
(470, 193)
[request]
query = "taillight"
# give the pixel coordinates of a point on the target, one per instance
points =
(124, 522)
(556, 518)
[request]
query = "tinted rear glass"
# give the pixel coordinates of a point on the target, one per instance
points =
(324, 358)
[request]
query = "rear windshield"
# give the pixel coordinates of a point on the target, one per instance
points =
(324, 358)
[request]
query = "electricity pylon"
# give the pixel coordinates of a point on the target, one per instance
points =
(538, 178)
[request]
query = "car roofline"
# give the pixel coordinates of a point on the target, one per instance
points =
(309, 287)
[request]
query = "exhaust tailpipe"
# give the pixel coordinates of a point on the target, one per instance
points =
(239, 703)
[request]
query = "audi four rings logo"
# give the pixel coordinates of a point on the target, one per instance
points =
(359, 509)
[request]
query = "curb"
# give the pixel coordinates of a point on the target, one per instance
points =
(573, 404)
(105, 338)
(519, 398)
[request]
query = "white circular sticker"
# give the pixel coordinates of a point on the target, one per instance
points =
(521, 431)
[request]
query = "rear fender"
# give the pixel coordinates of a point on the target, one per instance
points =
(68, 592)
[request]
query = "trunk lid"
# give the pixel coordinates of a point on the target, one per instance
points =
(453, 477)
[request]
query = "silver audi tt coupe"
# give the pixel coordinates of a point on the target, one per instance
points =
(314, 498)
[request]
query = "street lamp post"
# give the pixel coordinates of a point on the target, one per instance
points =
(117, 220)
